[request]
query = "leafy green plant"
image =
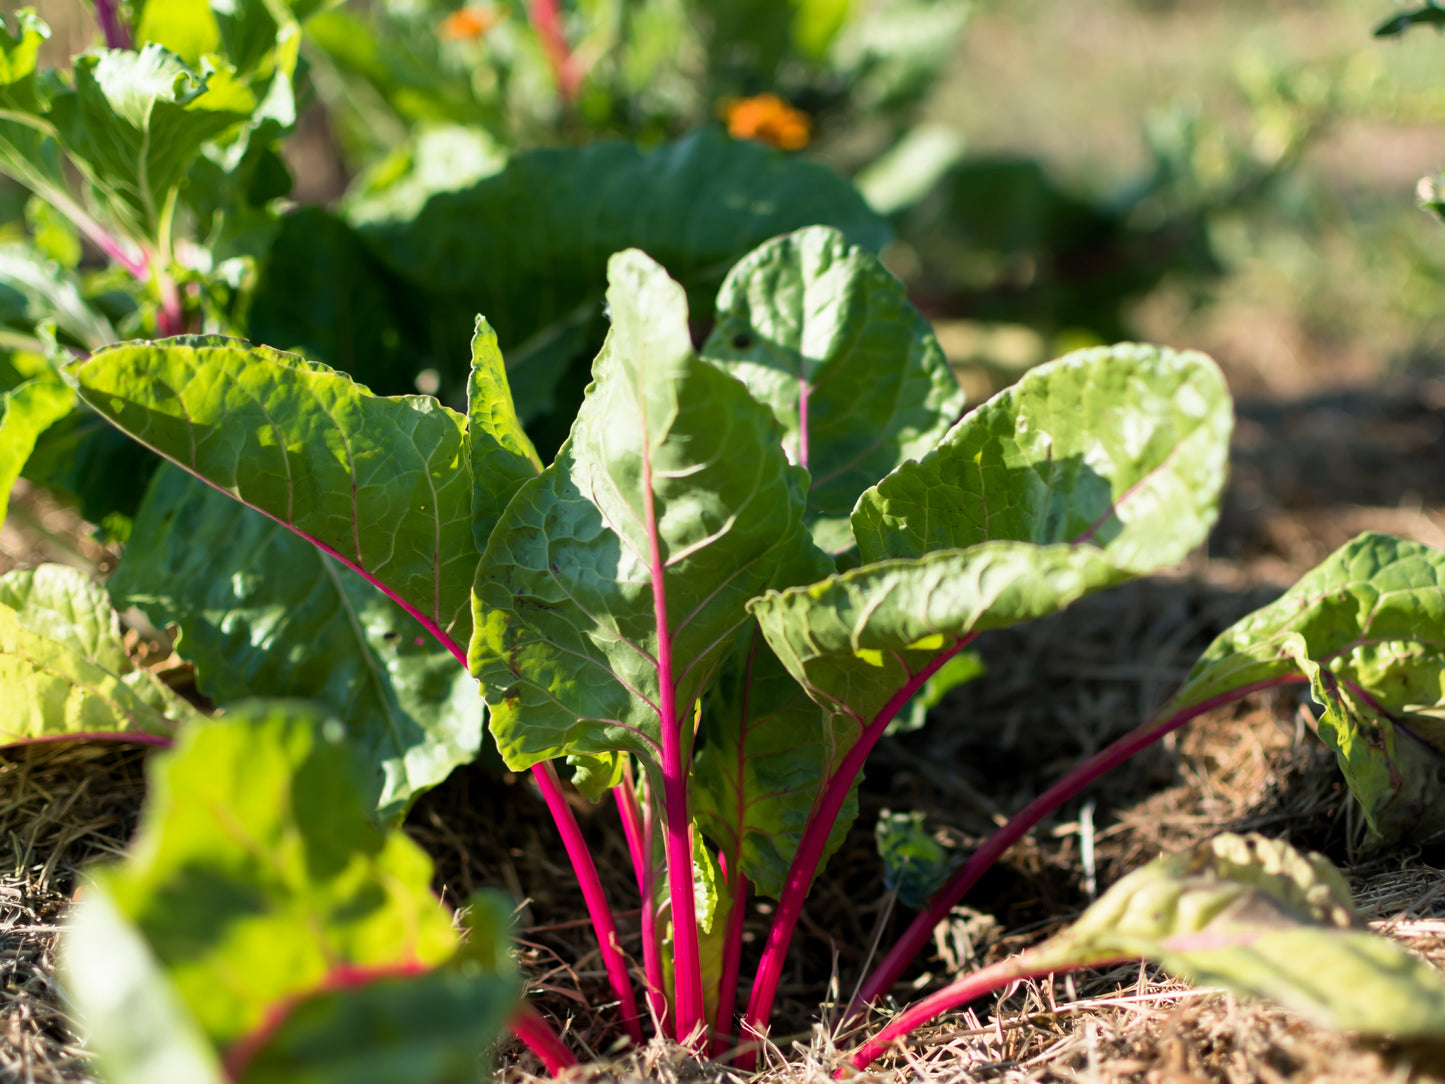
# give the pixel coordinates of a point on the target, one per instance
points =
(707, 606)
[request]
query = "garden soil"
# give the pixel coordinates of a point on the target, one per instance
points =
(1308, 474)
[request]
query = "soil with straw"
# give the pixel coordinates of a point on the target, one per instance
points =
(1307, 476)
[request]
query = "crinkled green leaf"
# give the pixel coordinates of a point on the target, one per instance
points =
(502, 455)
(665, 448)
(529, 246)
(381, 483)
(135, 121)
(262, 612)
(1121, 447)
(260, 904)
(26, 411)
(65, 605)
(29, 152)
(857, 639)
(915, 865)
(822, 334)
(51, 689)
(1365, 626)
(1264, 920)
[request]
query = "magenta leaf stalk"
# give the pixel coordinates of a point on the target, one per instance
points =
(727, 991)
(538, 1037)
(814, 841)
(921, 929)
(651, 942)
(687, 960)
(631, 816)
(969, 988)
(597, 906)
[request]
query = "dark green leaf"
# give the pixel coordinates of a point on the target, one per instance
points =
(529, 246)
(262, 612)
(915, 865)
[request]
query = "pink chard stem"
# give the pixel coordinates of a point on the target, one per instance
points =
(810, 850)
(727, 991)
(631, 816)
(969, 988)
(891, 967)
(538, 1037)
(676, 760)
(597, 906)
(651, 940)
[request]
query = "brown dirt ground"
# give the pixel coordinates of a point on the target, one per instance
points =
(1308, 474)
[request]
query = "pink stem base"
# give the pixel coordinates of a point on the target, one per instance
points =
(596, 898)
(538, 1037)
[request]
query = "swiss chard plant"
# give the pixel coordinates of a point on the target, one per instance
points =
(746, 563)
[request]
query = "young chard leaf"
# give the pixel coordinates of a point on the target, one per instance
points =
(262, 612)
(63, 668)
(665, 448)
(260, 904)
(134, 123)
(914, 863)
(821, 332)
(382, 484)
(1364, 628)
(1243, 912)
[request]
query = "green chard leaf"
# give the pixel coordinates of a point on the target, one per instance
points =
(136, 121)
(263, 923)
(262, 612)
(1364, 627)
(1095, 468)
(382, 484)
(529, 246)
(1121, 447)
(502, 456)
(26, 411)
(1261, 919)
(670, 456)
(63, 667)
(820, 331)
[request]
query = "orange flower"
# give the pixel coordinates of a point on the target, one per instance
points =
(469, 24)
(768, 119)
